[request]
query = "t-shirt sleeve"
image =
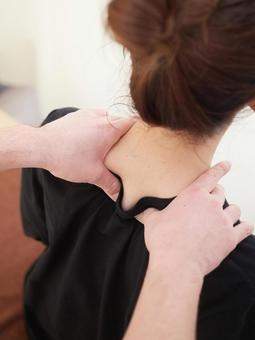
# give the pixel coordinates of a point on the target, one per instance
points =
(36, 208)
(227, 300)
(32, 205)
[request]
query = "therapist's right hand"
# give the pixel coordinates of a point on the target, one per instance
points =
(194, 226)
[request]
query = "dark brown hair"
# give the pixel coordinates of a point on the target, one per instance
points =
(193, 61)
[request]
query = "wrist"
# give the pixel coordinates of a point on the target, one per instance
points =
(39, 153)
(174, 262)
(23, 147)
(29, 147)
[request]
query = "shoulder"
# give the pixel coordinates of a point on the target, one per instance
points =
(58, 113)
(235, 276)
(239, 265)
(228, 296)
(244, 258)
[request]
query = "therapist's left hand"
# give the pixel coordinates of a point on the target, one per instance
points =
(77, 144)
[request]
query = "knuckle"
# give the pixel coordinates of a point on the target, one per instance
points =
(236, 208)
(215, 172)
(220, 187)
(248, 229)
(226, 221)
(195, 191)
(215, 204)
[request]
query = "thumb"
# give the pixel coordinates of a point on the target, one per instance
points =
(110, 184)
(243, 230)
(121, 126)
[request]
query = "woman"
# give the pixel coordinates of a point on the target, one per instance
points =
(27, 146)
(187, 87)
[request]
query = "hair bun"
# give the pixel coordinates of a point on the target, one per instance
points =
(189, 72)
(169, 41)
(145, 27)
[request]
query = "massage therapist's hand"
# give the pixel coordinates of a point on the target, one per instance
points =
(78, 143)
(73, 147)
(195, 227)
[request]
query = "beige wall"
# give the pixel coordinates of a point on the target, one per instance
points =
(77, 63)
(60, 47)
(6, 120)
(17, 50)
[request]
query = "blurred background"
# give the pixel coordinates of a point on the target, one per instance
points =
(55, 53)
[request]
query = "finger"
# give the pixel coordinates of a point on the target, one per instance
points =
(100, 112)
(121, 126)
(109, 183)
(145, 215)
(242, 231)
(219, 193)
(118, 129)
(210, 178)
(234, 212)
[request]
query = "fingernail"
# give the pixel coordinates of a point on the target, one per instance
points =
(227, 164)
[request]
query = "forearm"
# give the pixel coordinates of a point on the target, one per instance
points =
(168, 303)
(21, 146)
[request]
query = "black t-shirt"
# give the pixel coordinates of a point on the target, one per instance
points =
(86, 283)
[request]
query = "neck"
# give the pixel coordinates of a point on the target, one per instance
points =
(155, 161)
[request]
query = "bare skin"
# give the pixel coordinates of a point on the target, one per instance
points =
(154, 161)
(66, 146)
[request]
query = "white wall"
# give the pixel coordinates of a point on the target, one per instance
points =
(238, 147)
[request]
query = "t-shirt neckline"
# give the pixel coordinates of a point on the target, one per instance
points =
(142, 204)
